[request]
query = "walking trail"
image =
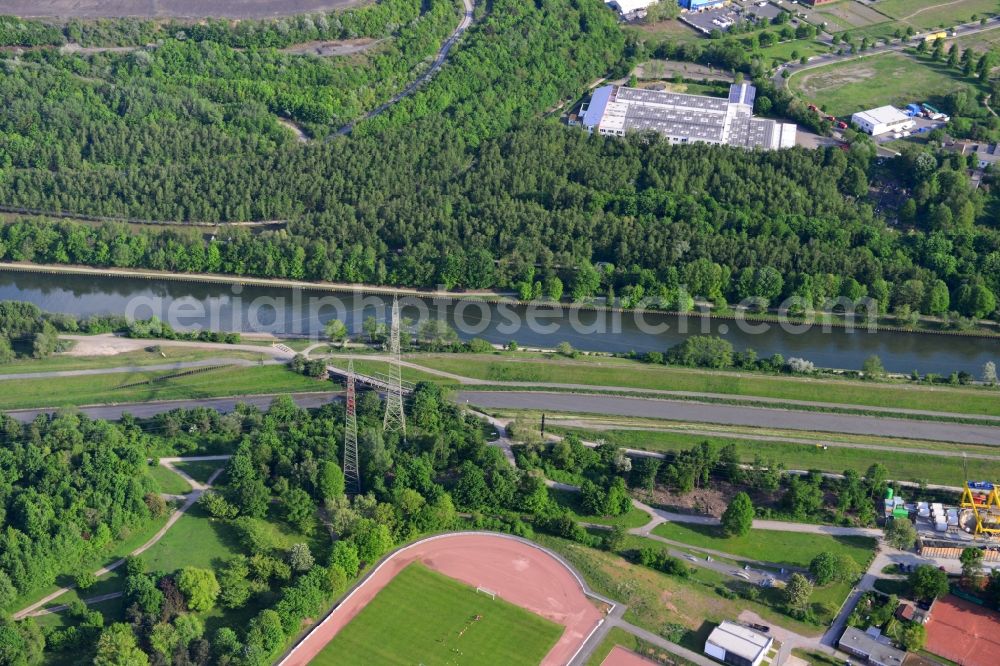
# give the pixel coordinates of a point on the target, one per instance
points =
(198, 489)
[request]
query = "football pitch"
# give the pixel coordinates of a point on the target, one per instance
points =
(423, 617)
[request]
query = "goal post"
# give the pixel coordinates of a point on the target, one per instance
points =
(487, 591)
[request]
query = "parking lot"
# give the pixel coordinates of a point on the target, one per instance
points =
(723, 18)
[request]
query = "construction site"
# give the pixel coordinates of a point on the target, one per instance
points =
(944, 531)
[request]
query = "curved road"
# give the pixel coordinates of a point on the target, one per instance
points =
(442, 55)
(763, 417)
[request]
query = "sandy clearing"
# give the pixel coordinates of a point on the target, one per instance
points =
(518, 572)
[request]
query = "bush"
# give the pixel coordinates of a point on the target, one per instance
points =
(85, 580)
(703, 351)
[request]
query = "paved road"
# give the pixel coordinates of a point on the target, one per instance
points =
(149, 409)
(764, 417)
(442, 55)
(792, 68)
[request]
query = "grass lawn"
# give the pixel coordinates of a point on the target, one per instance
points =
(424, 617)
(825, 601)
(795, 549)
(168, 481)
(603, 371)
(618, 636)
(571, 500)
(409, 374)
(926, 14)
(656, 600)
(196, 540)
(102, 389)
(201, 470)
(890, 78)
(814, 658)
(199, 540)
(898, 586)
(671, 29)
(169, 355)
(794, 49)
(904, 466)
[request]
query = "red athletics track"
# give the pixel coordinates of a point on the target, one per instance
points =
(518, 572)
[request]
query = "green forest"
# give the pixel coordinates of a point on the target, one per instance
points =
(465, 184)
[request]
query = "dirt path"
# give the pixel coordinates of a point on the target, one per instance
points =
(192, 497)
(300, 136)
(924, 9)
(518, 570)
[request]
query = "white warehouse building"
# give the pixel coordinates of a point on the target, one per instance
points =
(881, 120)
(735, 644)
(617, 110)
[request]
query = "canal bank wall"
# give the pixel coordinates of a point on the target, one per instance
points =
(487, 297)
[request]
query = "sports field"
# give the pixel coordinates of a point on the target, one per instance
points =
(963, 632)
(847, 87)
(423, 617)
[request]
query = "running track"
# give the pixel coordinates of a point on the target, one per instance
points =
(517, 570)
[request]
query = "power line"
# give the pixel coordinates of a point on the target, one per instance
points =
(395, 418)
(352, 473)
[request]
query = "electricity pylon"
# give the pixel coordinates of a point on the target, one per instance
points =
(352, 474)
(395, 419)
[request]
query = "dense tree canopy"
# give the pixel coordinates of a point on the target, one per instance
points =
(462, 184)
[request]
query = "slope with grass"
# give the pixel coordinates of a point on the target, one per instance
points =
(571, 501)
(660, 603)
(425, 617)
(796, 549)
(902, 465)
(159, 385)
(603, 371)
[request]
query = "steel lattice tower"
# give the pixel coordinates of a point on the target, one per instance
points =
(395, 419)
(352, 473)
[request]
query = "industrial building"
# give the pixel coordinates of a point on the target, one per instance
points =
(881, 120)
(616, 110)
(695, 5)
(735, 644)
(632, 8)
(871, 646)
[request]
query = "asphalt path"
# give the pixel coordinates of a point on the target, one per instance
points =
(148, 409)
(763, 417)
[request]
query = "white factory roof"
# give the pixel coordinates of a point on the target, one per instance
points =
(737, 639)
(883, 115)
(629, 6)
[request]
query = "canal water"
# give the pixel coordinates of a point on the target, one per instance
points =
(194, 305)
